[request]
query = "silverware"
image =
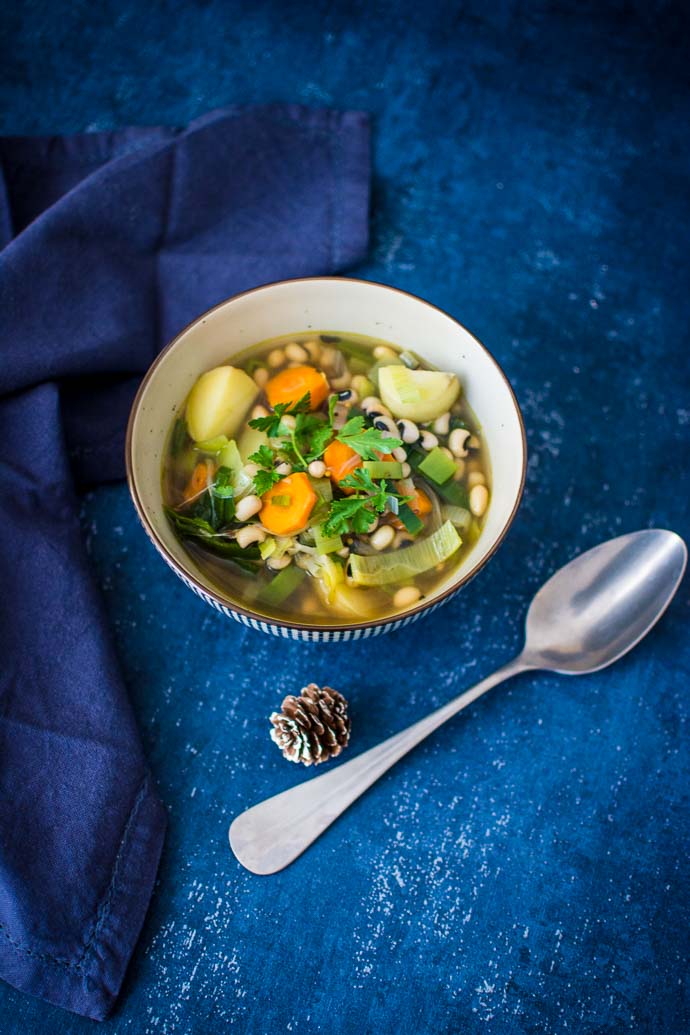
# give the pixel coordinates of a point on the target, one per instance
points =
(590, 613)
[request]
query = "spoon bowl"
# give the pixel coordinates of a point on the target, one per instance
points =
(597, 607)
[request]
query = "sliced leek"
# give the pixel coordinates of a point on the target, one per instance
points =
(380, 569)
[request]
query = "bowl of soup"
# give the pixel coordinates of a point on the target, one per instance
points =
(325, 458)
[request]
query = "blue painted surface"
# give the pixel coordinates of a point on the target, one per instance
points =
(526, 870)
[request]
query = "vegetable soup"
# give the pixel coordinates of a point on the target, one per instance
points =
(326, 478)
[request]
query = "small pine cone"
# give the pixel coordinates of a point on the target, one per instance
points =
(313, 727)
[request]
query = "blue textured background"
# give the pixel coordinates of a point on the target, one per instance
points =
(526, 870)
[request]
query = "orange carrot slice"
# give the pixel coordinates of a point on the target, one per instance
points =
(288, 504)
(420, 504)
(198, 481)
(291, 384)
(341, 461)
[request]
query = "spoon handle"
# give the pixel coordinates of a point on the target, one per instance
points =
(270, 835)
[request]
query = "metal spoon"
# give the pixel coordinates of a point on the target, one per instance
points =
(590, 613)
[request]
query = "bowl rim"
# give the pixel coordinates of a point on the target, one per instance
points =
(207, 589)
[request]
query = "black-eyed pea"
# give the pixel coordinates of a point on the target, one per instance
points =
(441, 424)
(479, 499)
(328, 356)
(278, 563)
(428, 440)
(384, 352)
(296, 353)
(382, 537)
(341, 382)
(258, 411)
(261, 376)
(406, 596)
(475, 478)
(459, 470)
(276, 358)
(317, 469)
(457, 442)
(249, 535)
(409, 432)
(247, 507)
(314, 350)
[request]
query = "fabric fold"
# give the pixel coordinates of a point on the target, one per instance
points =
(111, 243)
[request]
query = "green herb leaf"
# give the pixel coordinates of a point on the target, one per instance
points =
(272, 424)
(222, 486)
(264, 480)
(367, 442)
(263, 457)
(350, 514)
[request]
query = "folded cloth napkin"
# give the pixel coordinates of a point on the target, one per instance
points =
(111, 242)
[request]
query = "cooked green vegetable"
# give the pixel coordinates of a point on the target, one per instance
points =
(437, 466)
(452, 492)
(460, 516)
(379, 569)
(412, 522)
(212, 445)
(204, 535)
(419, 395)
(179, 436)
(281, 586)
(383, 468)
(325, 543)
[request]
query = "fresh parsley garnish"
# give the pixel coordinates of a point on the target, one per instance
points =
(265, 480)
(268, 476)
(358, 512)
(306, 441)
(273, 425)
(263, 456)
(368, 442)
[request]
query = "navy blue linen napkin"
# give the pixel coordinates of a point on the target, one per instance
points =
(111, 242)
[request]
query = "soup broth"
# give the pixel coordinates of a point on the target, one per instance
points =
(326, 478)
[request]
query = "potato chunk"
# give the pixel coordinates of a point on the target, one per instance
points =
(218, 403)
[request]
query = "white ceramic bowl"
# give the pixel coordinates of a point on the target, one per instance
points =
(324, 304)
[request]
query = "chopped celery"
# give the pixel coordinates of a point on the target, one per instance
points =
(450, 491)
(282, 586)
(323, 488)
(460, 517)
(383, 468)
(437, 466)
(249, 442)
(281, 500)
(412, 522)
(355, 350)
(267, 548)
(326, 543)
(212, 445)
(382, 568)
(229, 456)
(409, 359)
(179, 436)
